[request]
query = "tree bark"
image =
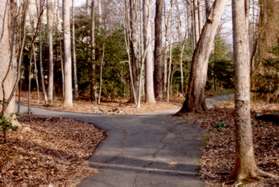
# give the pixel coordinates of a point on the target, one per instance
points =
(127, 34)
(195, 20)
(36, 74)
(158, 68)
(76, 94)
(42, 68)
(7, 55)
(50, 12)
(207, 7)
(93, 53)
(245, 164)
(68, 99)
(195, 99)
(149, 63)
(101, 75)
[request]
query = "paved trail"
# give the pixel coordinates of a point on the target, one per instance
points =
(156, 150)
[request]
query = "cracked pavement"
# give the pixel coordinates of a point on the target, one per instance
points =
(155, 150)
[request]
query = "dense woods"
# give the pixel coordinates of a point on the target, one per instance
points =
(142, 52)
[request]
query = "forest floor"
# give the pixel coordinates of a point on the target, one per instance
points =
(48, 150)
(121, 106)
(218, 155)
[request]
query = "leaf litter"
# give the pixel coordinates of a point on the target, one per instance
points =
(48, 151)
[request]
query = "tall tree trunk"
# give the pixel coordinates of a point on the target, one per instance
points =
(29, 94)
(169, 73)
(179, 31)
(74, 52)
(149, 63)
(68, 99)
(50, 12)
(195, 99)
(93, 53)
(62, 67)
(127, 34)
(7, 56)
(101, 74)
(158, 68)
(245, 165)
(36, 74)
(42, 68)
(40, 9)
(135, 44)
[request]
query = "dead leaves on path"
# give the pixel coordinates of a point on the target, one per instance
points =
(47, 151)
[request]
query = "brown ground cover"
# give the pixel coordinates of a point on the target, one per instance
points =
(218, 155)
(44, 151)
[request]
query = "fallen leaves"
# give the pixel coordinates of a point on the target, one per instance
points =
(218, 155)
(45, 151)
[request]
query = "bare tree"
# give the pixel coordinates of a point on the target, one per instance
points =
(246, 167)
(68, 99)
(195, 99)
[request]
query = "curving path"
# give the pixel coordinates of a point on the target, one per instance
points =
(155, 150)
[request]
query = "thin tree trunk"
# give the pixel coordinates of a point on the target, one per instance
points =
(164, 54)
(36, 72)
(199, 17)
(42, 68)
(127, 33)
(195, 99)
(140, 85)
(196, 22)
(40, 8)
(135, 43)
(179, 28)
(68, 99)
(149, 63)
(169, 72)
(50, 12)
(76, 94)
(101, 75)
(158, 74)
(62, 69)
(29, 94)
(181, 67)
(93, 53)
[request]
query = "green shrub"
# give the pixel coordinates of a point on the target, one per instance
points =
(5, 126)
(220, 125)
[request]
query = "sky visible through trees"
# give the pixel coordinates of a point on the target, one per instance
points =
(226, 21)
